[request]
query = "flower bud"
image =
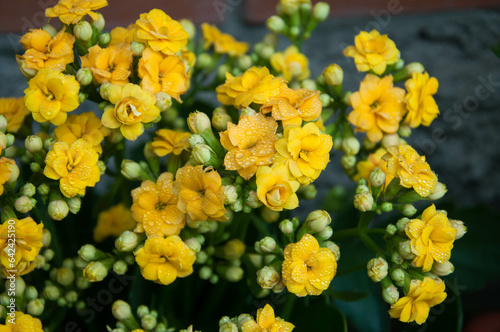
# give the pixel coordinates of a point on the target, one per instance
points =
(438, 192)
(325, 234)
(390, 294)
(244, 62)
(194, 244)
(35, 307)
(23, 204)
(82, 283)
(276, 24)
(243, 318)
(35, 167)
(131, 170)
(58, 210)
(71, 296)
(269, 215)
(205, 272)
(163, 101)
(321, 11)
(50, 29)
(120, 267)
(363, 202)
(10, 139)
(231, 194)
(390, 230)
(204, 61)
(202, 154)
(397, 258)
(33, 143)
(88, 252)
(404, 249)
(390, 140)
(83, 31)
(309, 84)
(267, 245)
(137, 48)
(220, 118)
(234, 249)
(333, 75)
(228, 327)
(65, 276)
(104, 39)
(51, 292)
(386, 207)
(233, 274)
(28, 189)
(127, 241)
(121, 310)
(237, 206)
(84, 76)
(286, 227)
(142, 311)
(30, 293)
(334, 248)
(348, 162)
(252, 200)
(377, 269)
(48, 254)
(377, 177)
(99, 23)
(460, 227)
(95, 271)
(414, 67)
(351, 145)
(401, 224)
(14, 174)
(148, 322)
(317, 220)
(27, 72)
(3, 123)
(325, 99)
(43, 189)
(74, 205)
(404, 130)
(408, 210)
(443, 269)
(198, 122)
(398, 276)
(267, 277)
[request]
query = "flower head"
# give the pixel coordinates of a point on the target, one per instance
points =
(412, 170)
(132, 108)
(113, 221)
(155, 208)
(201, 194)
(292, 64)
(168, 141)
(109, 65)
(374, 160)
(308, 269)
(422, 108)
(160, 32)
(415, 306)
(121, 35)
(267, 322)
(164, 259)
(14, 111)
(377, 107)
(50, 95)
(223, 42)
(6, 167)
(431, 239)
(72, 11)
(23, 323)
(373, 51)
(276, 189)
(250, 144)
(74, 165)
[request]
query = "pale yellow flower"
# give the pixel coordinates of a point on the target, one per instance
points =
(292, 64)
(276, 188)
(113, 221)
(168, 141)
(72, 11)
(267, 322)
(422, 108)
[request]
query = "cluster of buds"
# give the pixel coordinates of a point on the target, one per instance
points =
(222, 261)
(147, 320)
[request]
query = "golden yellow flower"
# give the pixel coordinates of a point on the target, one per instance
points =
(23, 323)
(132, 108)
(50, 95)
(374, 160)
(305, 151)
(6, 166)
(168, 141)
(200, 193)
(44, 51)
(109, 65)
(72, 11)
(160, 72)
(378, 107)
(431, 238)
(223, 42)
(23, 244)
(121, 35)
(160, 32)
(256, 85)
(292, 64)
(86, 126)
(307, 268)
(162, 260)
(415, 306)
(74, 165)
(155, 208)
(422, 108)
(373, 51)
(267, 322)
(250, 144)
(276, 189)
(113, 221)
(14, 111)
(292, 107)
(412, 170)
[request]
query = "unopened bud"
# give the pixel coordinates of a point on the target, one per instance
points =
(267, 245)
(33, 143)
(204, 61)
(84, 76)
(309, 84)
(127, 241)
(377, 269)
(198, 122)
(286, 227)
(234, 249)
(205, 272)
(163, 101)
(30, 293)
(99, 23)
(14, 174)
(88, 252)
(131, 170)
(252, 200)
(348, 162)
(351, 145)
(104, 91)
(401, 224)
(27, 72)
(51, 292)
(377, 177)
(408, 210)
(317, 220)
(276, 24)
(43, 189)
(460, 227)
(325, 234)
(104, 39)
(202, 154)
(83, 30)
(363, 202)
(414, 67)
(233, 274)
(220, 118)
(325, 99)
(438, 192)
(3, 141)
(390, 140)
(137, 48)
(3, 123)
(243, 318)
(391, 229)
(334, 248)
(267, 277)
(23, 204)
(390, 294)
(269, 215)
(50, 29)
(58, 210)
(148, 322)
(121, 310)
(95, 271)
(65, 276)
(28, 189)
(404, 130)
(321, 11)
(442, 269)
(120, 267)
(386, 207)
(333, 75)
(404, 249)
(228, 327)
(74, 205)
(35, 307)
(231, 194)
(193, 244)
(398, 276)
(244, 62)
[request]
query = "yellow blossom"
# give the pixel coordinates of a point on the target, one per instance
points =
(267, 322)
(250, 144)
(305, 151)
(160, 72)
(50, 95)
(162, 260)
(292, 64)
(377, 107)
(422, 108)
(23, 247)
(155, 208)
(168, 141)
(14, 111)
(86, 126)
(113, 221)
(109, 65)
(160, 32)
(23, 323)
(374, 160)
(72, 11)
(307, 268)
(256, 85)
(74, 165)
(121, 35)
(373, 51)
(6, 166)
(415, 306)
(412, 170)
(431, 239)
(132, 108)
(276, 189)
(201, 194)
(223, 42)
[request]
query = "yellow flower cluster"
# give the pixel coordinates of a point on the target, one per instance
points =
(14, 111)
(223, 42)
(168, 141)
(291, 63)
(109, 65)
(72, 11)
(422, 108)
(22, 323)
(267, 322)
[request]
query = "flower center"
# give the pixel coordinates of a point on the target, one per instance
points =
(129, 111)
(277, 195)
(160, 206)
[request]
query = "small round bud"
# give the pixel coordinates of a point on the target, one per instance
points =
(131, 170)
(3, 123)
(58, 210)
(334, 248)
(35, 167)
(83, 30)
(198, 122)
(244, 62)
(43, 189)
(267, 277)
(401, 224)
(309, 84)
(84, 76)
(390, 294)
(234, 274)
(248, 111)
(234, 249)
(443, 269)
(74, 205)
(390, 140)
(23, 204)
(398, 276)
(82, 283)
(391, 229)
(386, 207)
(120, 267)
(127, 241)
(321, 11)
(3, 141)
(51, 292)
(194, 244)
(267, 245)
(204, 61)
(137, 48)
(414, 67)
(10, 139)
(163, 101)
(231, 194)
(99, 23)
(460, 227)
(228, 327)
(189, 27)
(333, 75)
(348, 162)
(205, 272)
(35, 307)
(317, 220)
(202, 154)
(397, 258)
(220, 118)
(286, 227)
(252, 200)
(404, 130)
(363, 202)
(351, 145)
(142, 311)
(50, 29)
(28, 189)
(33, 143)
(48, 254)
(65, 276)
(404, 249)
(104, 39)
(196, 139)
(30, 293)
(276, 24)
(237, 206)
(201, 257)
(269, 215)
(95, 271)
(148, 322)
(408, 210)
(377, 269)
(243, 318)
(71, 296)
(438, 192)
(377, 177)
(325, 234)
(14, 174)
(121, 310)
(88, 252)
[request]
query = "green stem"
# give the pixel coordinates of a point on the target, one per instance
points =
(288, 306)
(350, 270)
(365, 220)
(173, 163)
(345, 233)
(370, 244)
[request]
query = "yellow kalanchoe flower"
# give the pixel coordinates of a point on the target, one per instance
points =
(72, 11)
(86, 126)
(132, 108)
(374, 160)
(121, 35)
(109, 65)
(50, 95)
(305, 151)
(292, 64)
(22, 323)
(373, 51)
(74, 165)
(168, 141)
(250, 144)
(422, 108)
(155, 208)
(201, 194)
(160, 32)
(113, 221)
(431, 238)
(14, 111)
(223, 42)
(276, 188)
(6, 167)
(163, 260)
(415, 306)
(267, 322)
(307, 268)
(377, 107)
(413, 171)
